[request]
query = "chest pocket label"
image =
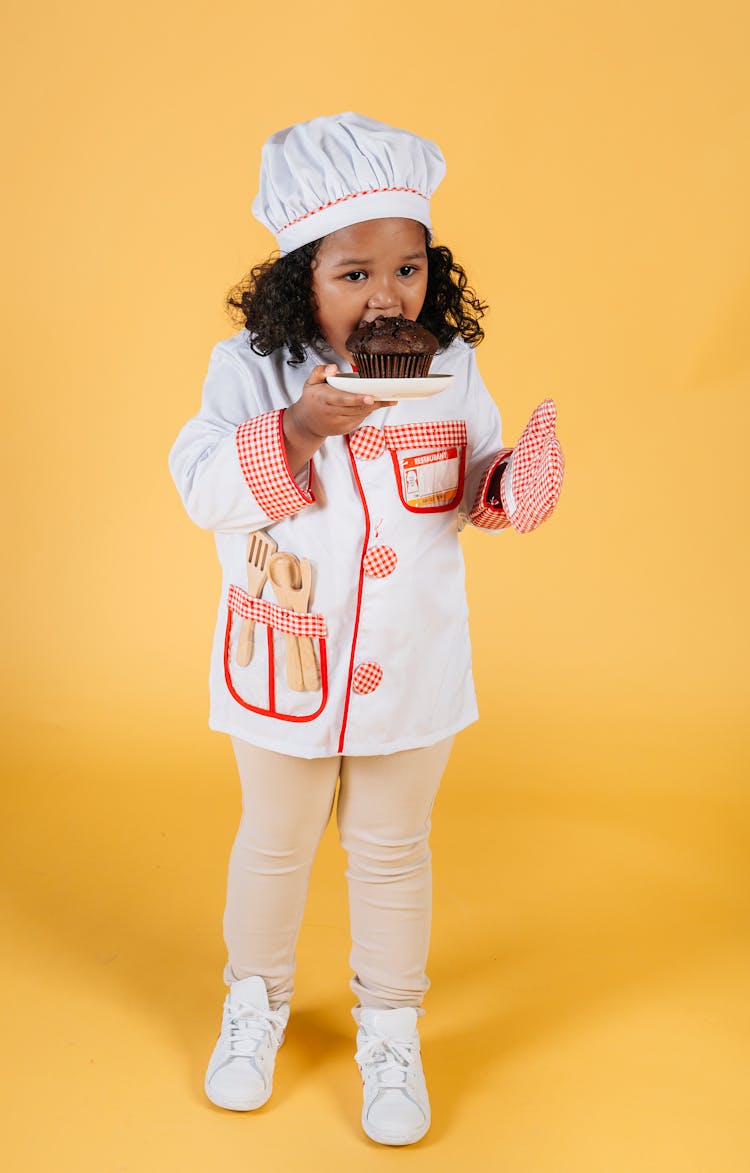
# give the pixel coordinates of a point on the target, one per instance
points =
(430, 478)
(429, 461)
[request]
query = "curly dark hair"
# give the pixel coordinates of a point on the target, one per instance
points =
(274, 301)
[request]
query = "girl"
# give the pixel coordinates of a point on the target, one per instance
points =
(341, 653)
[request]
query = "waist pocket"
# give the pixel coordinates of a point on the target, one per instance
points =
(429, 463)
(263, 686)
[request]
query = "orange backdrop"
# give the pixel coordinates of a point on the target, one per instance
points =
(590, 952)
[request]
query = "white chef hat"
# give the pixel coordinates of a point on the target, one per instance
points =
(337, 170)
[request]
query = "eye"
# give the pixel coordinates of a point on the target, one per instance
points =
(354, 276)
(407, 270)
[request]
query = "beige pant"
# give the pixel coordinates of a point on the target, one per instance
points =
(383, 813)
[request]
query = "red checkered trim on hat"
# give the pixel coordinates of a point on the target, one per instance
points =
(262, 455)
(367, 443)
(380, 561)
(484, 513)
(439, 434)
(261, 611)
(536, 471)
(353, 195)
(367, 677)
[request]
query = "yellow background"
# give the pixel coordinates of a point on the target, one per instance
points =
(589, 1010)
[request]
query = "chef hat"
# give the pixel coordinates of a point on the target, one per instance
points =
(325, 174)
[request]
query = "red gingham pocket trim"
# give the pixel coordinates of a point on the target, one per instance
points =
(264, 464)
(367, 443)
(485, 515)
(440, 434)
(380, 561)
(261, 611)
(367, 677)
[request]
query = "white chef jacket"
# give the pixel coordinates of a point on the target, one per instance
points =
(377, 514)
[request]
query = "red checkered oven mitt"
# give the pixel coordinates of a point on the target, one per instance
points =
(533, 478)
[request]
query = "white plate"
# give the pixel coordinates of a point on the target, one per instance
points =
(391, 388)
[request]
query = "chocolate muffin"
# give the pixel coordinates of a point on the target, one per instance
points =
(392, 348)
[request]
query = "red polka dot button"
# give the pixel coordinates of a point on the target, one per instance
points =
(367, 677)
(367, 443)
(380, 561)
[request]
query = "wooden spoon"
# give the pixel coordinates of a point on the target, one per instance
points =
(284, 574)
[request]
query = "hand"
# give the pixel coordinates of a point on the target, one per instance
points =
(532, 481)
(323, 411)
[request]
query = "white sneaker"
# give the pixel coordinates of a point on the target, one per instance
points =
(240, 1070)
(396, 1107)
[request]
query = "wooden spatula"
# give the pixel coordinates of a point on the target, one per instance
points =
(259, 550)
(301, 602)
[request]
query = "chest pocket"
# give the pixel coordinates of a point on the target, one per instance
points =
(429, 463)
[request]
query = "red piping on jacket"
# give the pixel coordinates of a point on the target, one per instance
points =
(271, 665)
(271, 710)
(359, 597)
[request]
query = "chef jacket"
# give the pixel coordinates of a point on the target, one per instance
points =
(377, 513)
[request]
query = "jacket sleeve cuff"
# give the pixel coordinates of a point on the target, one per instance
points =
(487, 512)
(263, 460)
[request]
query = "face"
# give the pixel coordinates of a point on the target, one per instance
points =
(377, 267)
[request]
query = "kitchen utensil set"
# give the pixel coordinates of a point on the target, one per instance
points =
(291, 579)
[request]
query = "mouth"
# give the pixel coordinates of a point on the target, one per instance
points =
(382, 314)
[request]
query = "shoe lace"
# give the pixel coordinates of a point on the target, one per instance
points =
(389, 1059)
(248, 1027)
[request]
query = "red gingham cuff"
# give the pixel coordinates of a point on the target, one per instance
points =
(485, 514)
(262, 455)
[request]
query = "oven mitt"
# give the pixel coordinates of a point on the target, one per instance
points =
(533, 477)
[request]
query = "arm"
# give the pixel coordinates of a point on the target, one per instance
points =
(322, 411)
(519, 486)
(486, 456)
(239, 468)
(494, 482)
(530, 487)
(229, 462)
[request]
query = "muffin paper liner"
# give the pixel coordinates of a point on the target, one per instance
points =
(392, 366)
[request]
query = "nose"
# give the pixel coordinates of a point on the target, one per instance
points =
(385, 298)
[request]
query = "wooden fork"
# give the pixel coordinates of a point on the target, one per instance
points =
(259, 549)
